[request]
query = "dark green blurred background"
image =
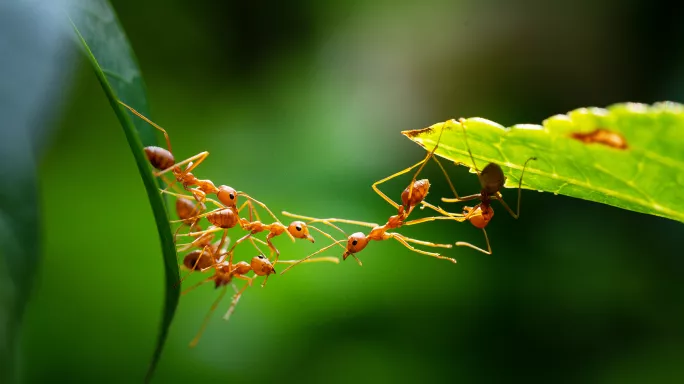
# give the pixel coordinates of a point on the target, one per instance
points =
(301, 104)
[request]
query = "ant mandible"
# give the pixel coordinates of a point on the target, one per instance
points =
(492, 179)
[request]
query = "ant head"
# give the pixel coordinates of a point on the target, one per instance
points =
(420, 190)
(242, 268)
(356, 242)
(262, 266)
(299, 230)
(227, 195)
(492, 178)
(193, 260)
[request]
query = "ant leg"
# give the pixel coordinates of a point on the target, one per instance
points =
(148, 121)
(313, 254)
(421, 242)
(489, 248)
(460, 199)
(171, 183)
(208, 279)
(446, 176)
(179, 195)
(499, 197)
(192, 224)
(430, 154)
(195, 160)
(252, 212)
(405, 242)
(194, 341)
(199, 233)
(231, 250)
(248, 279)
(440, 210)
(253, 240)
(413, 180)
(221, 243)
(385, 197)
(234, 302)
(272, 247)
(327, 235)
(453, 216)
(331, 259)
(462, 121)
(332, 220)
(262, 205)
(194, 267)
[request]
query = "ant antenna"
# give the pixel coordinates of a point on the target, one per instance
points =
(462, 121)
(313, 254)
(166, 135)
(431, 154)
(500, 197)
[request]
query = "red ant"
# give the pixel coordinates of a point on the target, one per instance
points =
(164, 161)
(356, 242)
(414, 194)
(223, 276)
(492, 179)
(225, 218)
(187, 211)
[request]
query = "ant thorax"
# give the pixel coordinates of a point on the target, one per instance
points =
(396, 221)
(486, 201)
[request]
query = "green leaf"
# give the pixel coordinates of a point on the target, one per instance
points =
(111, 56)
(628, 155)
(33, 80)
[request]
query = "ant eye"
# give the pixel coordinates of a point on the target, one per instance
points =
(232, 196)
(354, 242)
(261, 257)
(298, 228)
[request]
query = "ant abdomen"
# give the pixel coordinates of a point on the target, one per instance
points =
(187, 209)
(222, 279)
(420, 190)
(480, 215)
(224, 218)
(193, 260)
(160, 158)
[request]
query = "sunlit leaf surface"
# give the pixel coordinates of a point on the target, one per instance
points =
(628, 155)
